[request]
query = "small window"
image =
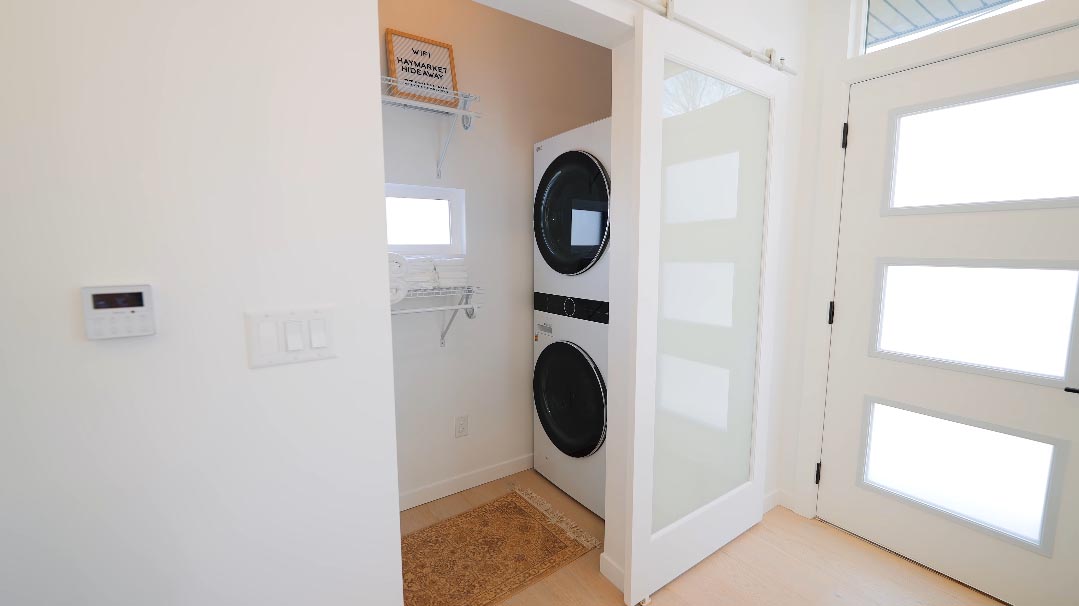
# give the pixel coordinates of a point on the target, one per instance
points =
(1009, 151)
(1015, 321)
(995, 480)
(425, 220)
(892, 22)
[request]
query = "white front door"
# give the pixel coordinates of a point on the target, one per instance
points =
(950, 429)
(706, 118)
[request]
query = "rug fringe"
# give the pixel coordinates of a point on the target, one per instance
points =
(579, 534)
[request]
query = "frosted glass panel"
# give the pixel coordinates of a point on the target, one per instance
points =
(1000, 318)
(686, 180)
(715, 138)
(994, 479)
(681, 383)
(699, 292)
(1008, 149)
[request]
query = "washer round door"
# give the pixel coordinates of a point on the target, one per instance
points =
(570, 216)
(571, 399)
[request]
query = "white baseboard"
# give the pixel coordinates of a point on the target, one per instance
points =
(777, 498)
(771, 499)
(613, 572)
(471, 479)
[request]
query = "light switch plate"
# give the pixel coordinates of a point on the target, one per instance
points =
(286, 337)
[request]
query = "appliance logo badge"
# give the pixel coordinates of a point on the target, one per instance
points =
(545, 329)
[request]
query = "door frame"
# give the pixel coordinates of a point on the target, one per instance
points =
(840, 66)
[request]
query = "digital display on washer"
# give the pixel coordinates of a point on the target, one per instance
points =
(570, 214)
(117, 300)
(586, 228)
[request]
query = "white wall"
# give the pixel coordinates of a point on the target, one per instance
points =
(607, 23)
(225, 152)
(485, 371)
(759, 25)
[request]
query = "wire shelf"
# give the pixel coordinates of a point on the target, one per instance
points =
(412, 95)
(457, 291)
(465, 302)
(424, 97)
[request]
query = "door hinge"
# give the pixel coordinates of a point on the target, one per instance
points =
(817, 478)
(846, 133)
(831, 312)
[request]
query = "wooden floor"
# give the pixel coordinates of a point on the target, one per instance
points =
(786, 560)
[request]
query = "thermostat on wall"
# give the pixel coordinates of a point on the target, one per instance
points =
(111, 312)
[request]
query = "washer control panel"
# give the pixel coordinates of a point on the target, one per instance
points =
(113, 312)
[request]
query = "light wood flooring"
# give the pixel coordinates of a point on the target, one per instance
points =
(786, 560)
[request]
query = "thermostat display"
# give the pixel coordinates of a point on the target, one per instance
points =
(112, 312)
(116, 300)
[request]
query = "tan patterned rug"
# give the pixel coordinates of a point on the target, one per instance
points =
(488, 553)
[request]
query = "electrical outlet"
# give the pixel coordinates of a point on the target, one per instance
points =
(460, 428)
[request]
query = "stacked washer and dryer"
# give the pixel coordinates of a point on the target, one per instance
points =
(569, 389)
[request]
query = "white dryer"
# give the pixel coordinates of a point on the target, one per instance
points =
(570, 213)
(571, 229)
(569, 389)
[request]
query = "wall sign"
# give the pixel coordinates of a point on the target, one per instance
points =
(425, 64)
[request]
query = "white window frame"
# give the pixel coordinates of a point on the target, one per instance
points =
(456, 199)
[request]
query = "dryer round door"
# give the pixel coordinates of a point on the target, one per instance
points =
(571, 399)
(570, 217)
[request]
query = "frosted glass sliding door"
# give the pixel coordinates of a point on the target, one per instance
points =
(714, 162)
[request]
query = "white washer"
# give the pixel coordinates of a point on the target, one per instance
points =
(570, 227)
(569, 387)
(571, 234)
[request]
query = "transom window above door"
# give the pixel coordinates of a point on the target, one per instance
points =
(892, 22)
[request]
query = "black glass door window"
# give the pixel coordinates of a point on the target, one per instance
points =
(571, 212)
(571, 399)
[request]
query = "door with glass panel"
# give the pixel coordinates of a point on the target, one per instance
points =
(696, 472)
(951, 420)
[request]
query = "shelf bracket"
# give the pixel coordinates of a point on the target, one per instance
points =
(469, 313)
(446, 147)
(466, 124)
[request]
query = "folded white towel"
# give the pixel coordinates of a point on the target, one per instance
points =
(398, 265)
(453, 275)
(422, 285)
(452, 282)
(398, 290)
(449, 261)
(418, 263)
(420, 276)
